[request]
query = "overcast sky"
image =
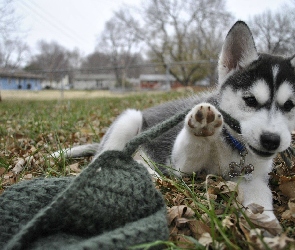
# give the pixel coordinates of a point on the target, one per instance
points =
(78, 23)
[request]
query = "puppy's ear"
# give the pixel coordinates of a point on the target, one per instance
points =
(237, 52)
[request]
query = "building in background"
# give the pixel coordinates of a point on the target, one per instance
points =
(94, 81)
(63, 84)
(19, 80)
(158, 82)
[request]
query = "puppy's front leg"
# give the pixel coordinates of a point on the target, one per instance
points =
(191, 149)
(257, 191)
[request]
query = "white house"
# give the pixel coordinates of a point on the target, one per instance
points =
(94, 81)
(64, 83)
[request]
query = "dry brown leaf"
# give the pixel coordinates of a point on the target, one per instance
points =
(254, 237)
(226, 222)
(178, 199)
(75, 168)
(213, 191)
(183, 220)
(290, 213)
(262, 221)
(2, 170)
(9, 179)
(29, 160)
(198, 228)
(212, 197)
(227, 187)
(181, 240)
(244, 226)
(278, 242)
(287, 186)
(28, 177)
(231, 223)
(180, 219)
(205, 239)
(18, 166)
(177, 212)
(221, 187)
(32, 149)
(287, 215)
(86, 131)
(255, 208)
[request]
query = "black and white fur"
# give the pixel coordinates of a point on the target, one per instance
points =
(258, 90)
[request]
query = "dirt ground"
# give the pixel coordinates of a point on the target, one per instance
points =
(56, 94)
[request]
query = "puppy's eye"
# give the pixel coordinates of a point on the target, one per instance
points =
(288, 105)
(250, 101)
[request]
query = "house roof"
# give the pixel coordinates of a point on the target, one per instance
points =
(16, 73)
(156, 77)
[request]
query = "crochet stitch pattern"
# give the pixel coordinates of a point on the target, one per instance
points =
(112, 204)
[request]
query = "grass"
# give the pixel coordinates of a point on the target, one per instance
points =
(203, 211)
(41, 127)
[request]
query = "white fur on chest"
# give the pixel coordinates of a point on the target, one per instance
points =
(192, 154)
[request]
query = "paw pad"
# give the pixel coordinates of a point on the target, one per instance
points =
(203, 119)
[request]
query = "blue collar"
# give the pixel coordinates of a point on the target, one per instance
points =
(233, 142)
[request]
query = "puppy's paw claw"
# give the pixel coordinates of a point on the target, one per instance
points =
(204, 119)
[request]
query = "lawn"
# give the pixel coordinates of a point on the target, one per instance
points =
(202, 208)
(31, 129)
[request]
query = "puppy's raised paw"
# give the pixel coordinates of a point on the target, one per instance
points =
(203, 120)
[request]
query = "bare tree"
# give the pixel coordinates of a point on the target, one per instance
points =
(102, 63)
(97, 62)
(182, 35)
(274, 32)
(12, 53)
(12, 48)
(119, 43)
(53, 61)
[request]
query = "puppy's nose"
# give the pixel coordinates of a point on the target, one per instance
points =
(270, 141)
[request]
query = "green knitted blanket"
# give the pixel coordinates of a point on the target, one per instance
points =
(112, 204)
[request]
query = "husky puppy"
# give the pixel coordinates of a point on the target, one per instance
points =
(256, 90)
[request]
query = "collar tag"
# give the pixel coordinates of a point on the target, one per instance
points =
(240, 169)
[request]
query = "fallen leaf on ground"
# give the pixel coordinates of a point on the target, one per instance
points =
(175, 213)
(287, 186)
(198, 228)
(227, 187)
(255, 208)
(262, 221)
(2, 171)
(18, 166)
(9, 179)
(278, 242)
(75, 168)
(28, 177)
(180, 220)
(290, 213)
(206, 239)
